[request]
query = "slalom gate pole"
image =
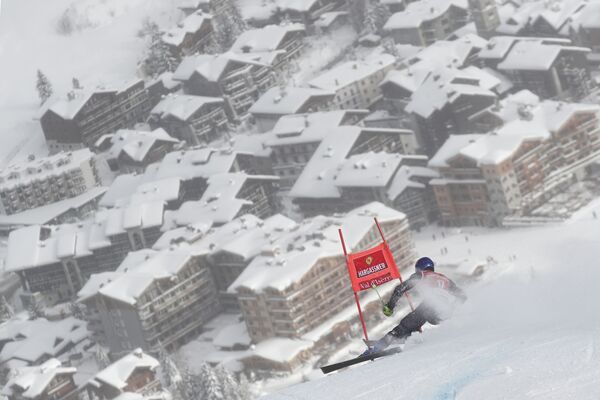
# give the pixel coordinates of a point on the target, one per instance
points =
(360, 314)
(410, 303)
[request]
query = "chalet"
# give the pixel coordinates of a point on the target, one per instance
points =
(277, 102)
(132, 151)
(423, 22)
(47, 381)
(85, 115)
(192, 35)
(194, 119)
(136, 372)
(237, 78)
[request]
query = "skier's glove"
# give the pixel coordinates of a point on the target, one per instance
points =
(387, 311)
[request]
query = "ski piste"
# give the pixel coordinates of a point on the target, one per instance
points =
(337, 366)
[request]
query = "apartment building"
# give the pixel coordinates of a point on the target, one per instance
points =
(194, 119)
(285, 291)
(315, 191)
(355, 83)
(486, 17)
(58, 260)
(154, 299)
(131, 151)
(445, 101)
(194, 34)
(237, 78)
(279, 101)
(86, 114)
(399, 181)
(49, 380)
(548, 67)
(47, 180)
(518, 167)
(423, 22)
(136, 372)
(287, 40)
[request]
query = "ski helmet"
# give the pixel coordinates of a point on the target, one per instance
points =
(424, 264)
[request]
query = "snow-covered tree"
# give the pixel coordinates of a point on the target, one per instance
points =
(244, 388)
(390, 48)
(376, 16)
(6, 311)
(159, 57)
(77, 310)
(36, 308)
(190, 387)
(229, 26)
(357, 10)
(44, 87)
(101, 357)
(170, 372)
(213, 389)
(230, 386)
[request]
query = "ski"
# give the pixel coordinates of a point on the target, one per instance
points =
(334, 367)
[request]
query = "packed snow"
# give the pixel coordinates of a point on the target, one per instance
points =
(530, 333)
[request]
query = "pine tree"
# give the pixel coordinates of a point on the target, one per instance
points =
(44, 87)
(101, 357)
(376, 16)
(6, 311)
(228, 383)
(244, 388)
(358, 14)
(229, 26)
(35, 309)
(77, 310)
(190, 387)
(170, 373)
(211, 386)
(159, 57)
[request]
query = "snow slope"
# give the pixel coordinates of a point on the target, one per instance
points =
(533, 333)
(105, 47)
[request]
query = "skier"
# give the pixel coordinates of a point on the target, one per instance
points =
(438, 293)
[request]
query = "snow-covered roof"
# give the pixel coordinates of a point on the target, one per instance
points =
(287, 101)
(183, 106)
(349, 72)
(35, 246)
(445, 85)
(451, 148)
(212, 67)
(295, 5)
(95, 283)
(307, 128)
(556, 14)
(288, 258)
(326, 19)
(68, 108)
(30, 340)
(265, 39)
(219, 203)
(135, 144)
(585, 17)
(43, 215)
(189, 26)
(232, 335)
(31, 172)
(535, 123)
(31, 382)
(535, 55)
(117, 374)
(406, 177)
(369, 169)
(136, 277)
(188, 233)
(418, 12)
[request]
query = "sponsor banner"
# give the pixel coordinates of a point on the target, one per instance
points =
(373, 266)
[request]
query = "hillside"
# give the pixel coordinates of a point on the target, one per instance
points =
(102, 47)
(532, 333)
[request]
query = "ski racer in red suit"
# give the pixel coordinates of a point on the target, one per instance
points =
(438, 293)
